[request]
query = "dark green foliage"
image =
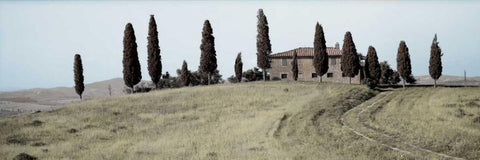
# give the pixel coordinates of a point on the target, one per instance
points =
(350, 64)
(238, 67)
(404, 66)
(24, 156)
(320, 56)
(264, 48)
(253, 74)
(154, 58)
(184, 75)
(295, 66)
(199, 78)
(208, 59)
(410, 79)
(435, 68)
(131, 66)
(78, 75)
(166, 75)
(388, 76)
(372, 67)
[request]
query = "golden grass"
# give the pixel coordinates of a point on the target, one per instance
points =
(262, 120)
(438, 119)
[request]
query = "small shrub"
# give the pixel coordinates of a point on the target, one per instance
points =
(24, 156)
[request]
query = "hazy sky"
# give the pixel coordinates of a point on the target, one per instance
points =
(39, 39)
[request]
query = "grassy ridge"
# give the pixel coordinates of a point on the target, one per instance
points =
(273, 120)
(444, 120)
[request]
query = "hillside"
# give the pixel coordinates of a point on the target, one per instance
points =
(260, 120)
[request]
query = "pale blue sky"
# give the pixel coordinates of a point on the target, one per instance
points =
(38, 39)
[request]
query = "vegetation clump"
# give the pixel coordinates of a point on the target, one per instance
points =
(131, 66)
(154, 58)
(320, 56)
(264, 48)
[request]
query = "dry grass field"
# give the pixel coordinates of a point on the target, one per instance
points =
(272, 120)
(443, 120)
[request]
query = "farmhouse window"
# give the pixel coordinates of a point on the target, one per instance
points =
(314, 75)
(284, 76)
(333, 61)
(329, 75)
(284, 62)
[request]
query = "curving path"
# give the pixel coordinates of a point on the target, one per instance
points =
(352, 121)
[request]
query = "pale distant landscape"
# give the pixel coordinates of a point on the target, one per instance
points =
(44, 99)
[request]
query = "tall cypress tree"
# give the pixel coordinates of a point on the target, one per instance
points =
(350, 64)
(238, 67)
(264, 48)
(372, 67)
(78, 75)
(295, 66)
(404, 66)
(131, 66)
(208, 59)
(435, 67)
(154, 58)
(185, 74)
(320, 56)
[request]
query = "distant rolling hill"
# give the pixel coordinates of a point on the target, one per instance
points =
(448, 80)
(63, 95)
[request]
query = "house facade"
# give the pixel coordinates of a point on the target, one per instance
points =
(281, 66)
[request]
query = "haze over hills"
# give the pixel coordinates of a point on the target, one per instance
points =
(29, 100)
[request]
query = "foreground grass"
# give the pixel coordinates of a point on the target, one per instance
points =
(273, 120)
(444, 120)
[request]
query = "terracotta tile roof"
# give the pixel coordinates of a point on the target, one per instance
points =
(307, 52)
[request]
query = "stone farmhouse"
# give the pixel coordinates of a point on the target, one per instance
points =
(281, 66)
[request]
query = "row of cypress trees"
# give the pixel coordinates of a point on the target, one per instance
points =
(350, 60)
(350, 63)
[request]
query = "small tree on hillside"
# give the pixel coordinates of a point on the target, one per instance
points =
(238, 67)
(320, 56)
(208, 59)
(78, 75)
(154, 58)
(184, 75)
(404, 67)
(372, 67)
(295, 66)
(264, 48)
(350, 63)
(131, 66)
(435, 68)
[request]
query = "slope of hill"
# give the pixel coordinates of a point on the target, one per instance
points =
(258, 120)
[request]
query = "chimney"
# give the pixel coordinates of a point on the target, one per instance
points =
(337, 46)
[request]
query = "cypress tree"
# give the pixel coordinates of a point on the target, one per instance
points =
(185, 75)
(295, 66)
(131, 66)
(404, 67)
(208, 59)
(320, 56)
(154, 58)
(350, 64)
(372, 67)
(435, 67)
(78, 75)
(264, 48)
(238, 67)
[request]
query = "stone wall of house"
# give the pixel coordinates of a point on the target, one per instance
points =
(306, 70)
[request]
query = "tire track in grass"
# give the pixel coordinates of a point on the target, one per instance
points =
(399, 149)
